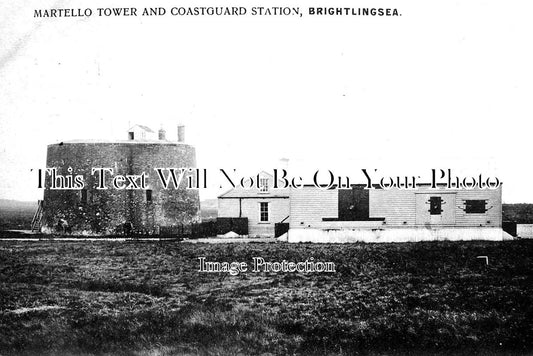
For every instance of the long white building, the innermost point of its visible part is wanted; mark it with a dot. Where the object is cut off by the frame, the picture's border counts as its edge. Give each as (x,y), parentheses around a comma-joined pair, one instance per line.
(395,215)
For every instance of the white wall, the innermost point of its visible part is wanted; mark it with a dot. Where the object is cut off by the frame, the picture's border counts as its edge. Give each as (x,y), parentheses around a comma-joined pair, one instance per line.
(278,210)
(310,204)
(524,231)
(397,234)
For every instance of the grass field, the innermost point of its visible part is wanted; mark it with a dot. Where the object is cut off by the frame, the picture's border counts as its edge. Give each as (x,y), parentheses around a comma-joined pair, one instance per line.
(84,298)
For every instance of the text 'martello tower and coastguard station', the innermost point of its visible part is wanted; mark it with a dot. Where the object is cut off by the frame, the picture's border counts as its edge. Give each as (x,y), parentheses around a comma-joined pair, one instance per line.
(95,211)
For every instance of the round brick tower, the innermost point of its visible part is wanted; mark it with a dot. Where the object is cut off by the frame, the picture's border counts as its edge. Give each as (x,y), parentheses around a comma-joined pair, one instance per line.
(135,209)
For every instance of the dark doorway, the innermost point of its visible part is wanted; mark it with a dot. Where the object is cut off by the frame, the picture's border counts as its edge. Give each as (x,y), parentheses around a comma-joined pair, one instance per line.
(353,204)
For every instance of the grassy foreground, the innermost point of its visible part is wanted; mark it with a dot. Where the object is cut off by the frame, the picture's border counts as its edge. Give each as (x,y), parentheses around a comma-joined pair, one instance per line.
(83,298)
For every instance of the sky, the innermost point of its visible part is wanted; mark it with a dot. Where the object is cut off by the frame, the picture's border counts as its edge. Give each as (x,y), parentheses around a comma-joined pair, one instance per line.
(446,85)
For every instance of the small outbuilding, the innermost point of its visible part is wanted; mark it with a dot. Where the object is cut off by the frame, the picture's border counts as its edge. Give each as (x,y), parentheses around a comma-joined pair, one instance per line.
(141,132)
(524,231)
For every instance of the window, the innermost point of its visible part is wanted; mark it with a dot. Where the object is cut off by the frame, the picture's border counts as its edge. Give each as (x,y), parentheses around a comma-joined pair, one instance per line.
(84,196)
(149,195)
(435,205)
(475,206)
(263,185)
(263,212)
(131,135)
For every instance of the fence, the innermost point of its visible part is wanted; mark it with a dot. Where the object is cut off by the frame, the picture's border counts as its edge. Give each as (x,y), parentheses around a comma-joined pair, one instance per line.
(237,225)
(280,229)
(204,229)
(195,230)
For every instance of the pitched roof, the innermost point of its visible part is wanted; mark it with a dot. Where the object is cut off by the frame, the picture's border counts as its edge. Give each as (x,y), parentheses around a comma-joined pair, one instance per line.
(240,192)
(145,128)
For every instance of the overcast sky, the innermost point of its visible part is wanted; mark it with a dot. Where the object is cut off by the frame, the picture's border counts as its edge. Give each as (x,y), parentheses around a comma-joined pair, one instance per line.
(449,84)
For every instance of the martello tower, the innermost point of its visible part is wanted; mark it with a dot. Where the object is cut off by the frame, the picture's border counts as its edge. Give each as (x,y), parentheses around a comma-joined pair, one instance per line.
(93,211)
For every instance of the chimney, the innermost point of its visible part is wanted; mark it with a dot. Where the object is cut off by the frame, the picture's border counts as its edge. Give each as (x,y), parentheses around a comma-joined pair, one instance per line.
(284,163)
(162,134)
(181,133)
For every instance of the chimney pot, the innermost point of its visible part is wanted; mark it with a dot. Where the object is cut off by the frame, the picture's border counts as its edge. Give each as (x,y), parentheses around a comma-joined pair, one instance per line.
(181,133)
(162,135)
